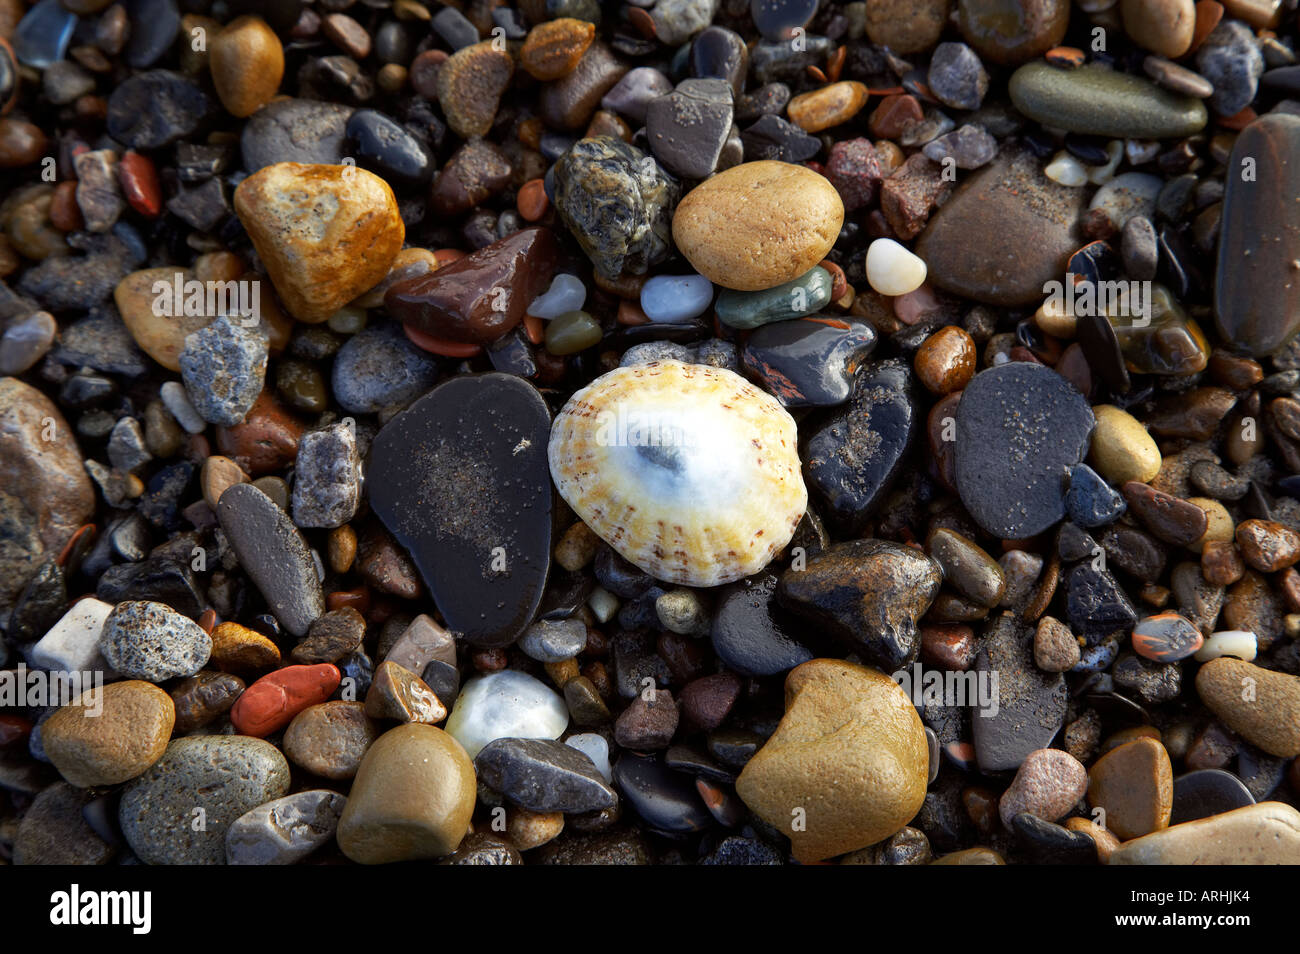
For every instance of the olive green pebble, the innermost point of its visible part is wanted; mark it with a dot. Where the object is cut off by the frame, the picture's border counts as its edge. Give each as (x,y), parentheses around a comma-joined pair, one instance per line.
(302,385)
(805,295)
(572,332)
(276,489)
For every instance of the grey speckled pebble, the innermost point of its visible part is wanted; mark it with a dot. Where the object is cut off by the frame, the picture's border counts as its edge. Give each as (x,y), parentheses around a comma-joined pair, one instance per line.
(379,368)
(26,341)
(286,830)
(295,130)
(327,485)
(274,554)
(223,367)
(151,641)
(1230,59)
(554,640)
(212,779)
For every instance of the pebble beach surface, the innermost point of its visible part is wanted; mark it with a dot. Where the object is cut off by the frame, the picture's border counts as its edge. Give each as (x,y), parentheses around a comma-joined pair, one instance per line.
(725,432)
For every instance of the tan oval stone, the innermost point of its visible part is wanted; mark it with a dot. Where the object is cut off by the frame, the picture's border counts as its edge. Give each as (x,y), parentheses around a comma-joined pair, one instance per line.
(148,315)
(325,233)
(1122,450)
(978,855)
(553,49)
(108,735)
(829,106)
(1134,785)
(1105,841)
(241,649)
(758,224)
(470,85)
(217,475)
(247,63)
(412,798)
(1218,523)
(850,752)
(330,739)
(529,830)
(1161,26)
(1263,834)
(1260,705)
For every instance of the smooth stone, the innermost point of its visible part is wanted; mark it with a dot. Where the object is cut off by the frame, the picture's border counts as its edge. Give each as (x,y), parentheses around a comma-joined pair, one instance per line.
(383,145)
(72,644)
(1269,718)
(325,233)
(379,368)
(568,103)
(853,459)
(41,37)
(1230,59)
(153,642)
(566,293)
(274,555)
(541,775)
(618,204)
(805,295)
(956,76)
(1237,643)
(482,543)
(719,53)
(1166,638)
(1004,233)
(1267,833)
(809,362)
(671,298)
(666,800)
(554,48)
(868,594)
(54,831)
(295,130)
(330,739)
(505,705)
(1048,784)
(1134,785)
(1095,602)
(470,85)
(771,137)
(412,798)
(1254,310)
(1102,102)
(224,776)
(26,341)
(284,831)
(688,127)
(967,568)
(1205,793)
(848,729)
(758,225)
(247,64)
(552,641)
(595,748)
(633,94)
(1026,426)
(775,19)
(1031,704)
(109,735)
(753,635)
(1012,31)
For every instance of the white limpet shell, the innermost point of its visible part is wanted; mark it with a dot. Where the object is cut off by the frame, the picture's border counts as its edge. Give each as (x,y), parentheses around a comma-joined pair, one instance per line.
(688,471)
(1229,642)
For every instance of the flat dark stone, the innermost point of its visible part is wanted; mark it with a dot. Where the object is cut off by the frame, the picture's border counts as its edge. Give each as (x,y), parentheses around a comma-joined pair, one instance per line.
(751,633)
(688,127)
(274,555)
(808,362)
(1256,295)
(1207,792)
(665,799)
(461,479)
(155,108)
(1031,703)
(160,579)
(1021,427)
(853,459)
(295,130)
(1050,844)
(543,776)
(384,145)
(1095,603)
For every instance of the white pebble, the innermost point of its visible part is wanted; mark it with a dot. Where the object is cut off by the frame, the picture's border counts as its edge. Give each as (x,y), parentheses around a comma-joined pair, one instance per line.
(892,269)
(1066,170)
(72,644)
(567,293)
(506,705)
(603,603)
(178,402)
(1230,642)
(594,747)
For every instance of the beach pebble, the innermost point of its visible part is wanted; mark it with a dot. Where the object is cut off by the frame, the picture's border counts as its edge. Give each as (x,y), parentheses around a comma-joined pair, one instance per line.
(1261,705)
(284,831)
(505,705)
(1048,784)
(327,485)
(223,367)
(272,702)
(72,644)
(110,734)
(153,642)
(541,775)
(1267,833)
(330,739)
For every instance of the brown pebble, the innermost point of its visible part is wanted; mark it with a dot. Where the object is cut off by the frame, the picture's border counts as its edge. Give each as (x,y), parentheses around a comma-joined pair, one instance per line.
(552,49)
(829,106)
(217,475)
(267,439)
(342,548)
(1134,785)
(1170,518)
(1221,564)
(894,114)
(470,85)
(347,34)
(1267,546)
(945,362)
(423,72)
(21,143)
(247,64)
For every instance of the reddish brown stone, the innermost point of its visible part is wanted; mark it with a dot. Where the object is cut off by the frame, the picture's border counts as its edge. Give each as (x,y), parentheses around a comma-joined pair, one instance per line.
(912,193)
(706,702)
(272,702)
(894,114)
(140,185)
(1221,564)
(948,646)
(266,442)
(1268,546)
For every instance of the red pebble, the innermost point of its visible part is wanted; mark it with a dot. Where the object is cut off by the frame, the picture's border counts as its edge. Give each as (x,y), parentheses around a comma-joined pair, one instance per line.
(272,702)
(139,181)
(435,345)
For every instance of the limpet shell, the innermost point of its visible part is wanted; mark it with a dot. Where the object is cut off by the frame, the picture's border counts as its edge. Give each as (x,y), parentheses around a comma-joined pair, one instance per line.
(688,471)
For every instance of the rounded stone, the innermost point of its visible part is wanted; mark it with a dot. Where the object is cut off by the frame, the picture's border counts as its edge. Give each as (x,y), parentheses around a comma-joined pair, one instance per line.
(247,64)
(850,752)
(1161,26)
(151,641)
(1048,784)
(330,739)
(110,734)
(217,778)
(1134,785)
(1013,31)
(1261,705)
(286,830)
(412,798)
(1263,834)
(506,704)
(1122,450)
(758,224)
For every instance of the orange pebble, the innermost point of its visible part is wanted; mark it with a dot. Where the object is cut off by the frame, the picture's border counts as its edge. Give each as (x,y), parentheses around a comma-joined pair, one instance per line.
(448,349)
(534,329)
(272,702)
(532,202)
(445,256)
(1208,15)
(1238,120)
(1066,57)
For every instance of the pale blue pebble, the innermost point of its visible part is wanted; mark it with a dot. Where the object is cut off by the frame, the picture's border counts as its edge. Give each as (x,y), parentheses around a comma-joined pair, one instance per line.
(669,298)
(567,293)
(42,36)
